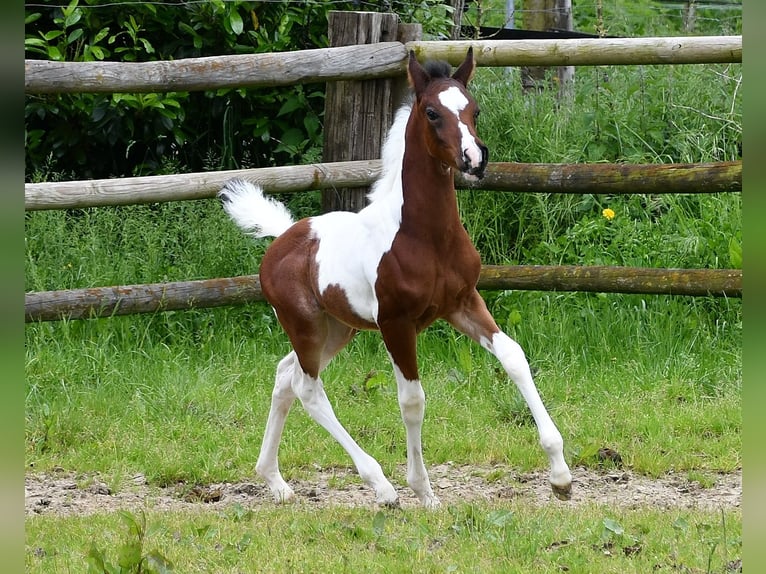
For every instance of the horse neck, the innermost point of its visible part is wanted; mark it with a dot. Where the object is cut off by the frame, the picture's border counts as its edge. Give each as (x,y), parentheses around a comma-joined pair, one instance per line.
(429,205)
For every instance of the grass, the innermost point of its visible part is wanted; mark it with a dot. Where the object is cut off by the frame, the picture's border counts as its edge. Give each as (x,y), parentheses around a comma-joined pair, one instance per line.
(183,397)
(461,538)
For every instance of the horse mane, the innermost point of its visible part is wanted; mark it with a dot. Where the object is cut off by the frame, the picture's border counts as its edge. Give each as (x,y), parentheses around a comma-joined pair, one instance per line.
(438,69)
(392,156)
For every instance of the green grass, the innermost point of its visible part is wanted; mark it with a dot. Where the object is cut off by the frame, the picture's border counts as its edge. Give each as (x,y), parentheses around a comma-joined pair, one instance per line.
(462,538)
(185,396)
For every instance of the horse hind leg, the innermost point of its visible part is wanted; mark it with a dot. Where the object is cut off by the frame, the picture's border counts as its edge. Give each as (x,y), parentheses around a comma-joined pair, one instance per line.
(474,320)
(316,343)
(282,399)
(311,393)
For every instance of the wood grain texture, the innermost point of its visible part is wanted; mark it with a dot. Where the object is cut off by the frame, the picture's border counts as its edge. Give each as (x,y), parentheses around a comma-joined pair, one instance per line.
(178,187)
(588,51)
(383,59)
(611,178)
(357,113)
(513,177)
(359,62)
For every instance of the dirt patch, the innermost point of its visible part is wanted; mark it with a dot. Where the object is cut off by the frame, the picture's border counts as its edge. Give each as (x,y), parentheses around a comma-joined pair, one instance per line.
(63,493)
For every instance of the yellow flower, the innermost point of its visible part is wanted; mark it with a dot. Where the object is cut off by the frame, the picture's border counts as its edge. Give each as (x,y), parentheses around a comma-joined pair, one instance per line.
(608,213)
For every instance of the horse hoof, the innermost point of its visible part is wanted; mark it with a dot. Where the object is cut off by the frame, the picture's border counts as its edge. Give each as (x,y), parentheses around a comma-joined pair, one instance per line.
(283,495)
(431,503)
(390,504)
(562,492)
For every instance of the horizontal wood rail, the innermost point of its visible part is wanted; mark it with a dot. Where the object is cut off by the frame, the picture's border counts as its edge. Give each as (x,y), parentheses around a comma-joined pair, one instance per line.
(587,51)
(514,177)
(150,298)
(359,62)
(368,61)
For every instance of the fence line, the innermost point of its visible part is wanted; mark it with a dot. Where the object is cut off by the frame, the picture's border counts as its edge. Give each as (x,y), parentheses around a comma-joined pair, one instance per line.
(596,178)
(368,61)
(184,295)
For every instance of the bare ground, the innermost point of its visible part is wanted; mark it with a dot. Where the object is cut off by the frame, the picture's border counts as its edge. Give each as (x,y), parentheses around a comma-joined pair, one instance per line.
(65,494)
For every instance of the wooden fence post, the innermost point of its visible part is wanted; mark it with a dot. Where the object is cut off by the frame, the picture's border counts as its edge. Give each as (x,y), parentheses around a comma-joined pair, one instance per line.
(401,85)
(357,113)
(547,15)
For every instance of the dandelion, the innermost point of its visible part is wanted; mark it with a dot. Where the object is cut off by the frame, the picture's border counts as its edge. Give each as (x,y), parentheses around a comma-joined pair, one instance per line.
(608,213)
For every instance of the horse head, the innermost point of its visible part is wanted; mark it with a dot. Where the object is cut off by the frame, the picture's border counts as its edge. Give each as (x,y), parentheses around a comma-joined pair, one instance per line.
(448,113)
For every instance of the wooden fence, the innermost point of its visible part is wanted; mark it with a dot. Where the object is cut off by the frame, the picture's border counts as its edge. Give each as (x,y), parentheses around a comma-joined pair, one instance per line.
(373,62)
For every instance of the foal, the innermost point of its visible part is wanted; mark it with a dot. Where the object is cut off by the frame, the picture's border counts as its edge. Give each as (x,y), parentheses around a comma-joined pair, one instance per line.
(399,264)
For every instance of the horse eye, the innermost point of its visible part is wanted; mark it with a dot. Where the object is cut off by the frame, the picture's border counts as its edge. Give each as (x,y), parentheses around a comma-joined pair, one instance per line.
(476,114)
(431,114)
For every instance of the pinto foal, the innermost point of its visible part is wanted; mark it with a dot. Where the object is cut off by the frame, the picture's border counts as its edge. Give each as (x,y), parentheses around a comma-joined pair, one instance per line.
(399,264)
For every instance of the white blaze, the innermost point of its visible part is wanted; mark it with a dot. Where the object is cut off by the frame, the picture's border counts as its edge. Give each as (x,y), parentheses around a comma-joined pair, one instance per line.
(455,101)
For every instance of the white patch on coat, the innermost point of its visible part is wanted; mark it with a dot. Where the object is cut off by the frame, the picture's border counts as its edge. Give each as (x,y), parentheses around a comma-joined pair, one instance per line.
(351,245)
(453,99)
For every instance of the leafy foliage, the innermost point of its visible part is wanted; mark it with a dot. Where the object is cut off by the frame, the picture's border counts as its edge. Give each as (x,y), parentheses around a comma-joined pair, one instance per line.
(117,135)
(132,558)
(103,135)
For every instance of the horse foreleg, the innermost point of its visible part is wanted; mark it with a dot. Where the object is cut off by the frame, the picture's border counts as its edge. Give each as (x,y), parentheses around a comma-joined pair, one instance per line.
(401,347)
(512,357)
(474,320)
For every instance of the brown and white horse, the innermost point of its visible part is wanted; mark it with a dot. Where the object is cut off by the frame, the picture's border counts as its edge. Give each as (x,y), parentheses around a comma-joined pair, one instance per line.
(399,264)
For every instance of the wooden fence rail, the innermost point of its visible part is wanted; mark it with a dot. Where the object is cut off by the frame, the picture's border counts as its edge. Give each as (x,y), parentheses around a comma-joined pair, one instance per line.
(597,178)
(150,298)
(383,59)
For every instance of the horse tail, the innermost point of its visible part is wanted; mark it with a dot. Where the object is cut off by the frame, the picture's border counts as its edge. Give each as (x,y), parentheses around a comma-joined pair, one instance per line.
(252,211)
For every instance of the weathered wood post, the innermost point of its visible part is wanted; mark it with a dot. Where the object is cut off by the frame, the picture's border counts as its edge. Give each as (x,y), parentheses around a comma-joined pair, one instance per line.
(401,86)
(357,113)
(547,15)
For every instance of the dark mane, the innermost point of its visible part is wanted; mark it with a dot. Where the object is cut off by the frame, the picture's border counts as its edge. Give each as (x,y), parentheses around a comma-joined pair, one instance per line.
(438,69)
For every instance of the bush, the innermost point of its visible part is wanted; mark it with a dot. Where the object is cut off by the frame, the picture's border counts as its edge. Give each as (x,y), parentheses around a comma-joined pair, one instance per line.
(107,135)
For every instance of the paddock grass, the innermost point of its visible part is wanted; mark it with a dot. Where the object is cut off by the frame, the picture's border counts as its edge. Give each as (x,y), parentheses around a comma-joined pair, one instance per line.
(185,396)
(462,538)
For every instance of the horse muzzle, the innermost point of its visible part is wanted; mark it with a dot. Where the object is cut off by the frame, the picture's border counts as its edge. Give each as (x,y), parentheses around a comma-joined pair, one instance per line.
(474,162)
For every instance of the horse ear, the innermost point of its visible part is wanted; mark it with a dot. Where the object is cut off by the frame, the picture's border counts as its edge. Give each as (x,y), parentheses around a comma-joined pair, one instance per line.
(416,74)
(465,72)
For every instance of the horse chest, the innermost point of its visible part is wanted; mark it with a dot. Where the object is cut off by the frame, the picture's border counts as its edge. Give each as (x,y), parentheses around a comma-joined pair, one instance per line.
(425,281)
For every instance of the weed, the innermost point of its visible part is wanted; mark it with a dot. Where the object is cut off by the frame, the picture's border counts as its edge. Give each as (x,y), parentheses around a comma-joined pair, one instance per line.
(132,556)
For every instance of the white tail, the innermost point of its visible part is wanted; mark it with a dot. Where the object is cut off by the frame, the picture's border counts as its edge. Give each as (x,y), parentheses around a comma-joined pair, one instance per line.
(252,211)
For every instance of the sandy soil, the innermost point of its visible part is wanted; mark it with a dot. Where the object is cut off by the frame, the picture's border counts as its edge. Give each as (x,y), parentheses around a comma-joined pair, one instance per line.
(62,493)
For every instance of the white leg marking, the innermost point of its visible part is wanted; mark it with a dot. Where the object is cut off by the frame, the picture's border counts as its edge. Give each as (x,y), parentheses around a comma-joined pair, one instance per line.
(281,400)
(412,401)
(311,393)
(515,363)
